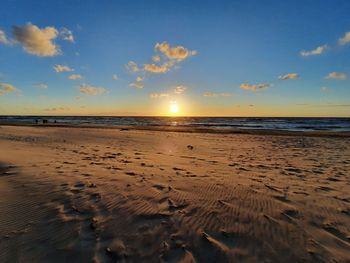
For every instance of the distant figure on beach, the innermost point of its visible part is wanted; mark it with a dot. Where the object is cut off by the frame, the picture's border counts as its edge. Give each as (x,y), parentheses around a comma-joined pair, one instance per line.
(36,121)
(45,121)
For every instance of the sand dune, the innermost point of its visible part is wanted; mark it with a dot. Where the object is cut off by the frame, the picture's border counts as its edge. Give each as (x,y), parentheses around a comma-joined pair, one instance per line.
(105,195)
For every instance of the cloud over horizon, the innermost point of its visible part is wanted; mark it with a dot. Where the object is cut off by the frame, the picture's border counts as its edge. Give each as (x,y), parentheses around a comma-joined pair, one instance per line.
(91,90)
(215,94)
(317,51)
(254,87)
(289,76)
(36,41)
(62,68)
(4,40)
(136,85)
(55,109)
(156,69)
(75,76)
(178,53)
(41,85)
(345,39)
(159,95)
(164,61)
(6,88)
(336,75)
(132,66)
(180,89)
(67,34)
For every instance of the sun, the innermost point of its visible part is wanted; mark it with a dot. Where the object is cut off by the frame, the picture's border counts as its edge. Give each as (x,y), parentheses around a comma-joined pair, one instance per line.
(174,107)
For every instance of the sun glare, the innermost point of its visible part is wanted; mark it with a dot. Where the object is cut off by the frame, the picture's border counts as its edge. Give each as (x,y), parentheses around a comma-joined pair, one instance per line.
(174,107)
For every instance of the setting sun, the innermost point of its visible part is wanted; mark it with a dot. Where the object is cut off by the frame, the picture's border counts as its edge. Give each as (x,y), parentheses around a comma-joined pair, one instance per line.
(174,107)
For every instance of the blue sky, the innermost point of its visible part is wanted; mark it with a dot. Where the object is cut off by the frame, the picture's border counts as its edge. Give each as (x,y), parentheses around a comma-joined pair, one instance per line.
(232,58)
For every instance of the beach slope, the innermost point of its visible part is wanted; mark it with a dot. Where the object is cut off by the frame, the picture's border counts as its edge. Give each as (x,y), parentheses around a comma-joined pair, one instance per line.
(106,195)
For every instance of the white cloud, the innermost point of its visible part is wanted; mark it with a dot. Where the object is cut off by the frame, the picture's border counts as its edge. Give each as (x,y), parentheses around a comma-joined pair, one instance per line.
(132,66)
(325,89)
(91,90)
(41,85)
(4,39)
(75,76)
(214,94)
(345,39)
(55,109)
(317,51)
(136,85)
(289,76)
(139,79)
(37,41)
(180,89)
(114,76)
(156,58)
(7,88)
(67,34)
(62,68)
(158,95)
(166,59)
(157,69)
(178,53)
(255,86)
(336,75)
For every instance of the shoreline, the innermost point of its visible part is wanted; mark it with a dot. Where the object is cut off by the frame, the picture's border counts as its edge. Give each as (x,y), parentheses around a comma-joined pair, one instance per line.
(275,132)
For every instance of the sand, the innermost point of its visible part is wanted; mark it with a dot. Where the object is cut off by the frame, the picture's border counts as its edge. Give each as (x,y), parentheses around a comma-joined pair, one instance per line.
(106,195)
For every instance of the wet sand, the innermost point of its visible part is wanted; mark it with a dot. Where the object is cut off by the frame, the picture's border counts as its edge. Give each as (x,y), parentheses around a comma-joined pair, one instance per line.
(103,195)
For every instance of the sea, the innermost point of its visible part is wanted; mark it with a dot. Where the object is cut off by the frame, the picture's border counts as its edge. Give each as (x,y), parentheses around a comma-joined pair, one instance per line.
(289,124)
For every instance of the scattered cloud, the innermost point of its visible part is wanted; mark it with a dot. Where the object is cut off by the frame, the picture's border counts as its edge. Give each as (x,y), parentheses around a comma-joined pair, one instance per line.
(53,109)
(178,53)
(325,89)
(324,105)
(77,98)
(156,58)
(215,94)
(132,66)
(166,58)
(157,69)
(336,75)
(4,39)
(114,76)
(289,76)
(158,95)
(75,76)
(255,86)
(36,41)
(62,68)
(345,39)
(136,85)
(139,79)
(7,88)
(41,85)
(180,89)
(317,51)
(91,90)
(67,34)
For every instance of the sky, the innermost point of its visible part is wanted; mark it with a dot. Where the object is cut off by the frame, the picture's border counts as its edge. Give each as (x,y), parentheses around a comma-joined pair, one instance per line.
(160,58)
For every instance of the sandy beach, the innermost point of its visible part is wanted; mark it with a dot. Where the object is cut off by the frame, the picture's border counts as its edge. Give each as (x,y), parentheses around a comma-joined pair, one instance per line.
(128,195)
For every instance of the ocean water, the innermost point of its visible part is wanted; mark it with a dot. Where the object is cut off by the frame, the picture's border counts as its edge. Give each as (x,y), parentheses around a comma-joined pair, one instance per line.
(292,124)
